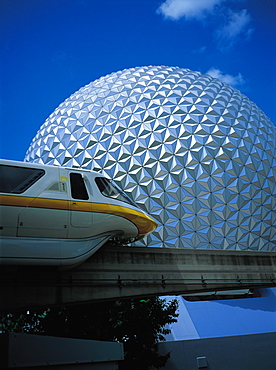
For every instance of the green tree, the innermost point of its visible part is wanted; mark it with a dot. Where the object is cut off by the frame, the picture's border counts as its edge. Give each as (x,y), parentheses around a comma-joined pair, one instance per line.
(27,322)
(138,323)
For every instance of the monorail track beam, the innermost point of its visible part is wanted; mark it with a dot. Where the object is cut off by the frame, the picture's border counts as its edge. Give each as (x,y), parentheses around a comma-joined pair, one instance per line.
(122,272)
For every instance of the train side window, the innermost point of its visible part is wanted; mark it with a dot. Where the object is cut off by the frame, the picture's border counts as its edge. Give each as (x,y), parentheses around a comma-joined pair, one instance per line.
(16,180)
(78,188)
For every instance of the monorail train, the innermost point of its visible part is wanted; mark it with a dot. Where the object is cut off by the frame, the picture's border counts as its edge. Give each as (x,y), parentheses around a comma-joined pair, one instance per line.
(58,216)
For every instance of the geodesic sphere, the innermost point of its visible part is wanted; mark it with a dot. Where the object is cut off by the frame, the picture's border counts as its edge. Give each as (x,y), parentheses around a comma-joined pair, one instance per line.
(194,152)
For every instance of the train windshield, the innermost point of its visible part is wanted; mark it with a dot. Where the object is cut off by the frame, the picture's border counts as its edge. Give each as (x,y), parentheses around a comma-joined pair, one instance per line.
(108,189)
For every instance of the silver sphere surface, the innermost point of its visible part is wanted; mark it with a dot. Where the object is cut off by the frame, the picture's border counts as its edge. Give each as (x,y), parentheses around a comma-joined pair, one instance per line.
(194,152)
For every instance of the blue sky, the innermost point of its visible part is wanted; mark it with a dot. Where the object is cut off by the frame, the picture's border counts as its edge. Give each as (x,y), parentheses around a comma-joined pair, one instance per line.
(51,48)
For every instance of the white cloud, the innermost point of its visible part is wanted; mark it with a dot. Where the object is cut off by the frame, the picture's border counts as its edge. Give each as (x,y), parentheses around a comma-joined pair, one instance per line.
(229,79)
(237,24)
(197,9)
(230,26)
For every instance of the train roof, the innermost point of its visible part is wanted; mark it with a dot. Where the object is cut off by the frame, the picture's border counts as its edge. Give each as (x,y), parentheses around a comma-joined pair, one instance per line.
(10,162)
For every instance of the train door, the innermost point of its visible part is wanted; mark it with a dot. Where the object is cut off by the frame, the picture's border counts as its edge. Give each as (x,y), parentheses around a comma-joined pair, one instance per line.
(80,202)
(46,214)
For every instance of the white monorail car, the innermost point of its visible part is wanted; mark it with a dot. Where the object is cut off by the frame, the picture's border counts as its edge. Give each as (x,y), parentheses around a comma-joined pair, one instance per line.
(59,216)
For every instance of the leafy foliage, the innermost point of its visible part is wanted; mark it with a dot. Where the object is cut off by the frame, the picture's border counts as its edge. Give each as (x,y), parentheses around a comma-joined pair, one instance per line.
(22,322)
(138,323)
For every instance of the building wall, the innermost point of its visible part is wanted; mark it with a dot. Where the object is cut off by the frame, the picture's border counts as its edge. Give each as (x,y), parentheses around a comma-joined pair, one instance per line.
(26,351)
(243,352)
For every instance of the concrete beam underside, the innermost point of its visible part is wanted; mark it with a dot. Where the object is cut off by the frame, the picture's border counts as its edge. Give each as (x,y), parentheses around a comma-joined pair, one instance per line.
(123,272)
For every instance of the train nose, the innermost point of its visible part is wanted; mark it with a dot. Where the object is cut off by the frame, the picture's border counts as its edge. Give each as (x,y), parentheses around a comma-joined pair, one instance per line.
(144,223)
